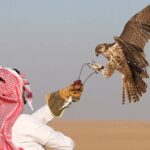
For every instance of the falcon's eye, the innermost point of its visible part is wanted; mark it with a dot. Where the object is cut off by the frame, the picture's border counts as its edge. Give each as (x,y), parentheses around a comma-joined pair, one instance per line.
(99,49)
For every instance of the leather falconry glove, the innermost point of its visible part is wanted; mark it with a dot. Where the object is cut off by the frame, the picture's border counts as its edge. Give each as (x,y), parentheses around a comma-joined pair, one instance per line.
(74,91)
(61,99)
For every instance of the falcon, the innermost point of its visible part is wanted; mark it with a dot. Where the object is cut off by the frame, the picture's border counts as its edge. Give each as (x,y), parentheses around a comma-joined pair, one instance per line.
(126,55)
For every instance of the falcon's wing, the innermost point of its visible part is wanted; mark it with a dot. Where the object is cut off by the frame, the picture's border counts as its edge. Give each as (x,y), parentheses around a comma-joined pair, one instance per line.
(134,37)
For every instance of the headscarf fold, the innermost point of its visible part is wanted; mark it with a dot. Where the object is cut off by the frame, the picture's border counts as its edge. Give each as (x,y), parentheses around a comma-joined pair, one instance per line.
(12,88)
(27,94)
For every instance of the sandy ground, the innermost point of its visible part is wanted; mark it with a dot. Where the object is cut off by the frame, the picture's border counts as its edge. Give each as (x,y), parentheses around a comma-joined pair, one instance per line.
(106,135)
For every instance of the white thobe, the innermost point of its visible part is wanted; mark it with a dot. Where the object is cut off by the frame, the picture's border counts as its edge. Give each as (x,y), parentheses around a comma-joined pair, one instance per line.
(31,132)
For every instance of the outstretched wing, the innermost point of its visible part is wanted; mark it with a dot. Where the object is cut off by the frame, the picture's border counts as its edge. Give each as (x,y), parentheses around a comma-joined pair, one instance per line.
(137,29)
(134,37)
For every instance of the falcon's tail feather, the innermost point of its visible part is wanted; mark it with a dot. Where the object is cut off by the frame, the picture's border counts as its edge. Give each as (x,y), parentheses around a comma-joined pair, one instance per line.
(133,88)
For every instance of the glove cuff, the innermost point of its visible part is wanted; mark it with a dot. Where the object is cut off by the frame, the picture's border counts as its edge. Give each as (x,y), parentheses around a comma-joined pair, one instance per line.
(55,104)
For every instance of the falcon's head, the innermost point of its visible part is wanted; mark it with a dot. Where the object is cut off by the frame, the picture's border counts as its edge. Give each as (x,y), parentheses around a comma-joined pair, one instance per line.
(101,49)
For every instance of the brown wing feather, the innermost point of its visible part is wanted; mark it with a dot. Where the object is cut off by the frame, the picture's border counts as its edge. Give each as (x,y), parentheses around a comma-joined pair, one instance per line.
(134,37)
(137,29)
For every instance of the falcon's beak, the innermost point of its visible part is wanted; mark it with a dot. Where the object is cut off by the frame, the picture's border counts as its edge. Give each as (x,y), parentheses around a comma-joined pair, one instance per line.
(96,53)
(97,50)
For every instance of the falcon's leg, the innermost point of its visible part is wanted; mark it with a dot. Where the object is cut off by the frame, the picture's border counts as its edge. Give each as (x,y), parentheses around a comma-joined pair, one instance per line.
(108,70)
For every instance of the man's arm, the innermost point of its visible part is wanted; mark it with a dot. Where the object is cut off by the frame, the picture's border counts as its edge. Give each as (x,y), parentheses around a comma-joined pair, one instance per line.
(43,114)
(29,132)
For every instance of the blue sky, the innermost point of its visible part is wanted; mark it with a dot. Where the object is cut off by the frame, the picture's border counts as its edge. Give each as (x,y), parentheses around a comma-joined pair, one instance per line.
(50,40)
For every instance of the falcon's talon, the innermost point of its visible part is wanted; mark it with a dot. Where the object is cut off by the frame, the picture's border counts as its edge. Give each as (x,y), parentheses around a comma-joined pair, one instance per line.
(95,66)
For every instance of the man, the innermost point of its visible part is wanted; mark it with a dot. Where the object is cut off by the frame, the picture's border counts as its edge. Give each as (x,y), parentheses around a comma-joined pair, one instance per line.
(31,132)
(13,91)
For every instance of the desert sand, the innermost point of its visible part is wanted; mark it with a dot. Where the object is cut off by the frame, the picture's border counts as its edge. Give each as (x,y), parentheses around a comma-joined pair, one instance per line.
(106,135)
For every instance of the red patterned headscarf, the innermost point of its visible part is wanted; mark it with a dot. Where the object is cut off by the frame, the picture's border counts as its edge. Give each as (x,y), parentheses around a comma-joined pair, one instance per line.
(13,88)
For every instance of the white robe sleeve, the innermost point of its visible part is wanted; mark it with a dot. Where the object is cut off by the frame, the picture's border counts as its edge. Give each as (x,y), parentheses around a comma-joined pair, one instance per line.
(30,133)
(43,114)
(53,139)
(48,136)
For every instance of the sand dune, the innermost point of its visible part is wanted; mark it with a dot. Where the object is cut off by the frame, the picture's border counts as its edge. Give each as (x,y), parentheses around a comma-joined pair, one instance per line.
(106,135)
